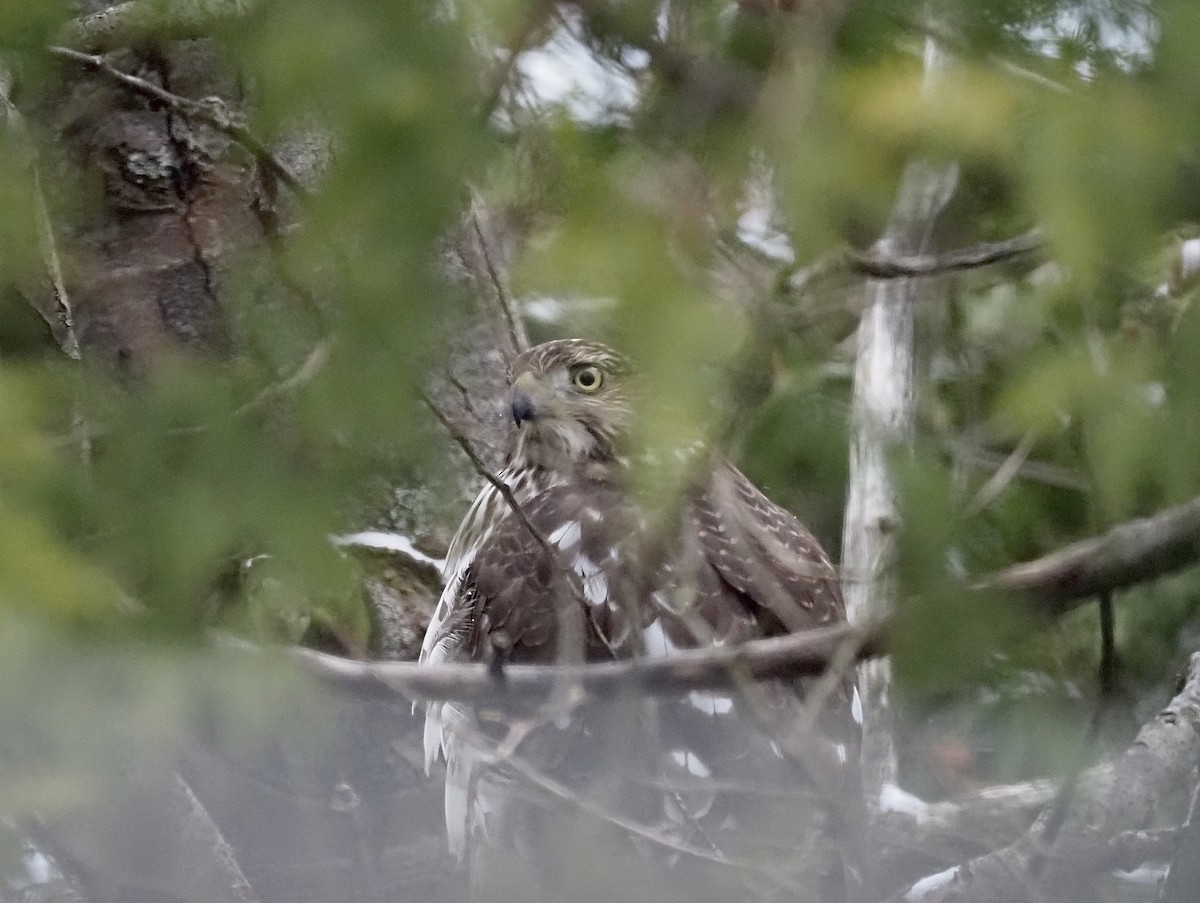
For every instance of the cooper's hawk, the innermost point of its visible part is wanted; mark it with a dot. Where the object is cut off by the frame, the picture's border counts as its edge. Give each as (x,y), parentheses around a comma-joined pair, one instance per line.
(748,784)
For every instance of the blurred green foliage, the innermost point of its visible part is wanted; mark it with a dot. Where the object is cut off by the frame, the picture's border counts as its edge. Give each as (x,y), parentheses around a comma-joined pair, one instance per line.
(124,501)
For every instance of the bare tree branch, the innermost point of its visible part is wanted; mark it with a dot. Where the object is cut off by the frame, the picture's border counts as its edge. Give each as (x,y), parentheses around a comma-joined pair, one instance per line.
(534,18)
(899,266)
(882,413)
(1183,878)
(1129,553)
(910,832)
(485,262)
(212,111)
(1161,760)
(978,456)
(1133,848)
(795,655)
(881,263)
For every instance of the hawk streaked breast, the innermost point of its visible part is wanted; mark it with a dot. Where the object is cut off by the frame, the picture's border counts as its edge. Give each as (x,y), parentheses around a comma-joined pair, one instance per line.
(705,779)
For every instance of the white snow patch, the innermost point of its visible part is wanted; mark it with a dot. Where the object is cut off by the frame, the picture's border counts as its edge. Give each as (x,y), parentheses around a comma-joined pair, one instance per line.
(929,884)
(388,542)
(856,709)
(39,867)
(710,703)
(1148,875)
(894,799)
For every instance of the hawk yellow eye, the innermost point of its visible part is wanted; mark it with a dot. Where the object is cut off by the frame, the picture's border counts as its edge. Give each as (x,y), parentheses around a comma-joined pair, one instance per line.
(587,378)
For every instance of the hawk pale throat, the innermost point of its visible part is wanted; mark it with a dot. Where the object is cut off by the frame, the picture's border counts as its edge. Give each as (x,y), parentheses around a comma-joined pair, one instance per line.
(707,784)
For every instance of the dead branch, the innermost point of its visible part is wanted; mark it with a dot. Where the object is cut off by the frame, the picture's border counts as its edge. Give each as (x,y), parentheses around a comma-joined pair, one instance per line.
(184,855)
(1160,761)
(795,655)
(484,261)
(911,833)
(899,266)
(882,263)
(534,19)
(1183,877)
(882,412)
(1133,848)
(212,111)
(1128,553)
(143,21)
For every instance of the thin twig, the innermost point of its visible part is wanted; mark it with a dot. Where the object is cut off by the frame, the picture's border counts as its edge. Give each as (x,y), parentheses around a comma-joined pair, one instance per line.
(564,793)
(1003,476)
(1060,809)
(1108,648)
(484,471)
(500,78)
(312,364)
(479,222)
(979,457)
(877,265)
(211,110)
(64,313)
(889,266)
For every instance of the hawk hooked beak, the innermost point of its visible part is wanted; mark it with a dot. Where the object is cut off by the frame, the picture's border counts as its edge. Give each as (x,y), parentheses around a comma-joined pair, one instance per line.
(528,399)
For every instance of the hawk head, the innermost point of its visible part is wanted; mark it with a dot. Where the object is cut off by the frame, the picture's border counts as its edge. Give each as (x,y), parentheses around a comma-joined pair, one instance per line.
(570,403)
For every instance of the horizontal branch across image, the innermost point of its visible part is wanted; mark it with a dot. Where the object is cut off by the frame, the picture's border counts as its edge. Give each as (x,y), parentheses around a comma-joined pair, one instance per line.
(1128,553)
(803,654)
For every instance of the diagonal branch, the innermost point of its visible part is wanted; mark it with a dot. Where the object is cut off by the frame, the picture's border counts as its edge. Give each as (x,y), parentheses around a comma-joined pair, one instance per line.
(212,111)
(1183,878)
(1129,553)
(485,262)
(1159,762)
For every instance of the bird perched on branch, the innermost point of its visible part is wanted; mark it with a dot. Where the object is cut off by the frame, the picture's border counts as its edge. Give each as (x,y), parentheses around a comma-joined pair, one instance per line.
(744,789)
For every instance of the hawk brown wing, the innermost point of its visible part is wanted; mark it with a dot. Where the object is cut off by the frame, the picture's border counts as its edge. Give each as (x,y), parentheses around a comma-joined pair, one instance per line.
(741,568)
(765,554)
(519,588)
